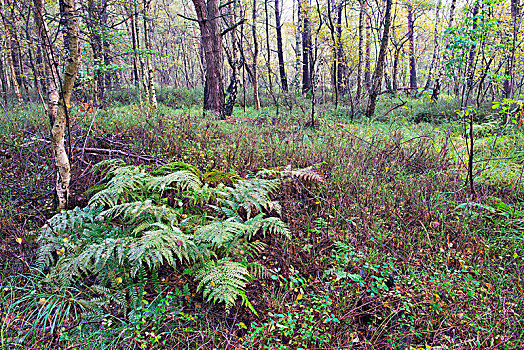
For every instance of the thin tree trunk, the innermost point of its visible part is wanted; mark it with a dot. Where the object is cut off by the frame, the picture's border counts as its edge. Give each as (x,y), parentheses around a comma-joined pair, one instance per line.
(509,81)
(235,63)
(367,69)
(9,53)
(436,89)
(298,40)
(436,47)
(59,101)
(280,51)
(360,49)
(151,92)
(306,53)
(268,60)
(379,69)
(256,97)
(411,38)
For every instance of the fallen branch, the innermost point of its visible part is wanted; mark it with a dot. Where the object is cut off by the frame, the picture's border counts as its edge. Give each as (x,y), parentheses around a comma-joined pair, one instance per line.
(393,108)
(111,152)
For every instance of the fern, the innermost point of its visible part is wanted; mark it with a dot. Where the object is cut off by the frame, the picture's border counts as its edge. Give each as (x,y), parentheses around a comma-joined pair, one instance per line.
(130,227)
(161,243)
(181,179)
(223,281)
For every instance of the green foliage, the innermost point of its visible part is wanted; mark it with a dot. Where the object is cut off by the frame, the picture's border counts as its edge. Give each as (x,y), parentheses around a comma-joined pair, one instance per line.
(131,229)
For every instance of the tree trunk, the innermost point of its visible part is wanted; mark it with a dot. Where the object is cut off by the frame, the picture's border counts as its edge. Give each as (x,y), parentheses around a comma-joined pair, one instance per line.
(298,40)
(11,56)
(360,48)
(340,51)
(436,89)
(60,91)
(95,12)
(411,38)
(268,60)
(136,77)
(367,69)
(151,92)
(207,14)
(280,52)
(436,47)
(234,62)
(379,69)
(306,53)
(508,82)
(256,98)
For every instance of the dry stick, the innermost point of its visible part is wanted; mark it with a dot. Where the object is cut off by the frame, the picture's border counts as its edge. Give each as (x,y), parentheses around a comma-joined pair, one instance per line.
(122,153)
(88,131)
(393,108)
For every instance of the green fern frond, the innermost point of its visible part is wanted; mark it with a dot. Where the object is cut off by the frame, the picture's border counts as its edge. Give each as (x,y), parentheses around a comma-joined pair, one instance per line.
(109,164)
(177,166)
(160,243)
(222,281)
(220,233)
(181,179)
(136,211)
(125,184)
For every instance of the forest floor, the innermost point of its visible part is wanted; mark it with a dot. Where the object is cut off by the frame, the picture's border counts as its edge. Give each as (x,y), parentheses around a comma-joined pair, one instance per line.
(391,250)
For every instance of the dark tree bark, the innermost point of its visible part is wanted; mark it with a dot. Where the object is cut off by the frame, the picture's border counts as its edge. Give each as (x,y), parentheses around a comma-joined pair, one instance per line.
(280,52)
(379,69)
(306,54)
(207,14)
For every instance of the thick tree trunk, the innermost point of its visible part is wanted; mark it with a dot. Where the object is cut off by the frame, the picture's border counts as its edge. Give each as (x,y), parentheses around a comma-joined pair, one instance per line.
(412,60)
(207,14)
(379,69)
(280,51)
(60,91)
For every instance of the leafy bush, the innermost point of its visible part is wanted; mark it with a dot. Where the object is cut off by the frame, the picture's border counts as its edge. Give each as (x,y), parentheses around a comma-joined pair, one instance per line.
(138,221)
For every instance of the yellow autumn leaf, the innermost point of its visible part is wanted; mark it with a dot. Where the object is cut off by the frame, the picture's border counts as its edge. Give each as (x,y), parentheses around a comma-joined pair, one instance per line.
(515,255)
(60,251)
(66,239)
(212,283)
(299,297)
(118,280)
(18,240)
